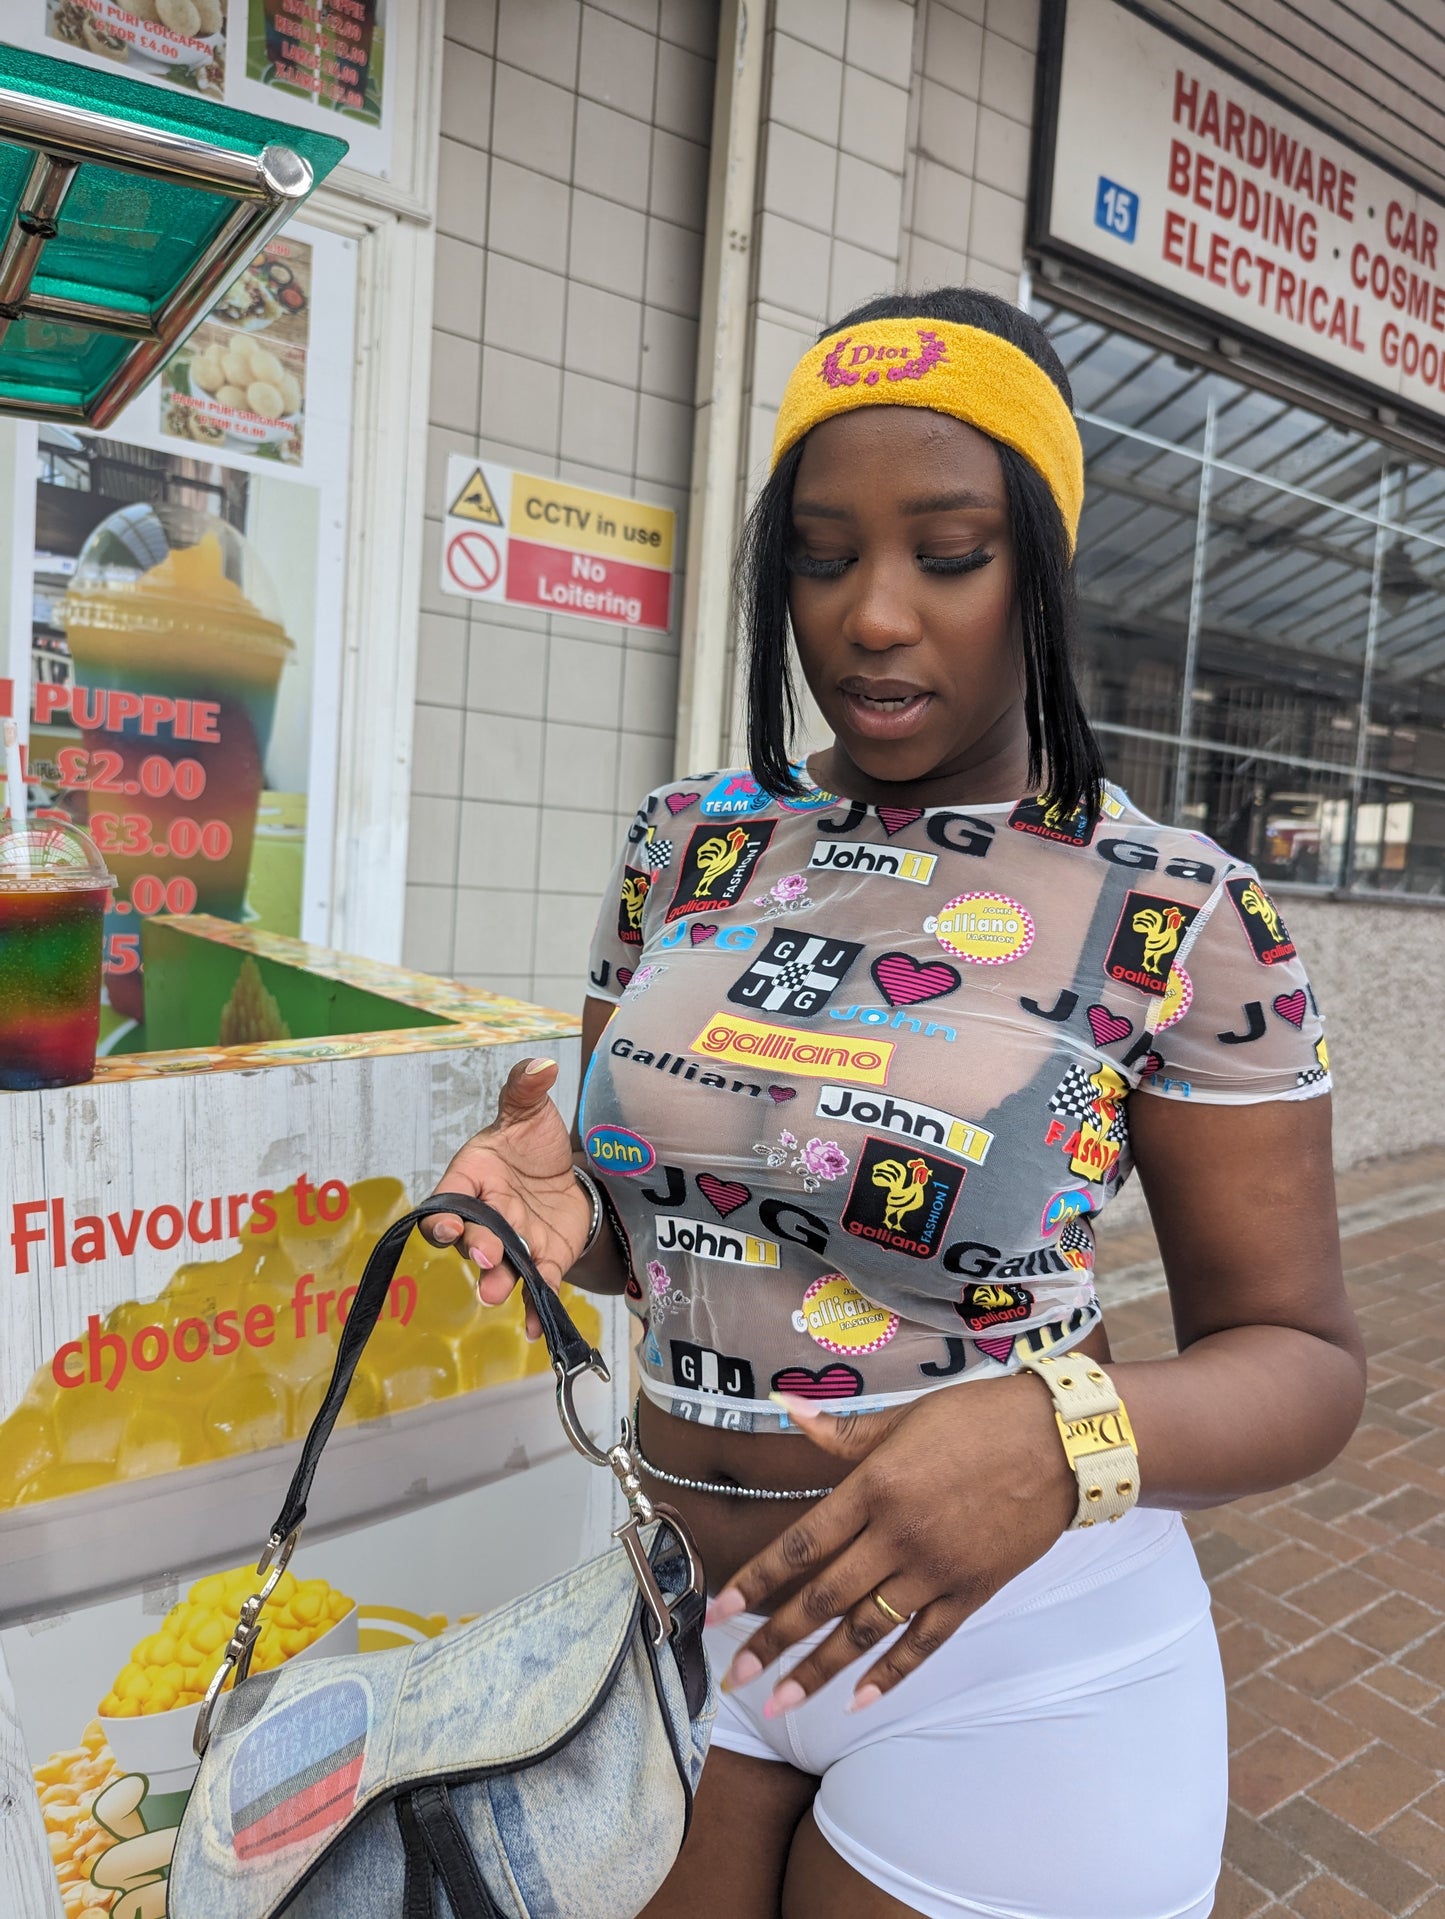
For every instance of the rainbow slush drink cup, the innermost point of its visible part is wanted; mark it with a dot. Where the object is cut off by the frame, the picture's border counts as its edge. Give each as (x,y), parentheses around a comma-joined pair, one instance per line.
(53,886)
(178,652)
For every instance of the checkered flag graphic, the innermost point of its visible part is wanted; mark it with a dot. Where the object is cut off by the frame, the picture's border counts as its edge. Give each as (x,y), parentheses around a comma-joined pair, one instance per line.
(658,854)
(1075,1097)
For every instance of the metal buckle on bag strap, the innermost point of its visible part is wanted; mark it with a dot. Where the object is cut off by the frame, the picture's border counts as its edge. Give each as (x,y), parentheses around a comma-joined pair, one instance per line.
(275,1557)
(642,1511)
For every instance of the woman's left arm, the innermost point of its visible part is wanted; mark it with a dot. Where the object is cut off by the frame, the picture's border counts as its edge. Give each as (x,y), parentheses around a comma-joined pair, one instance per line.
(958,1492)
(1270,1379)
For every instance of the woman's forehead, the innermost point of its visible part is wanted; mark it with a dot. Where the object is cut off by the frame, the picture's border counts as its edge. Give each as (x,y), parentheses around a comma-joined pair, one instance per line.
(885,452)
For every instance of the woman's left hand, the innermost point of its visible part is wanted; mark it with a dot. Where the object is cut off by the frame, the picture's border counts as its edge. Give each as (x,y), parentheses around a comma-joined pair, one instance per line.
(948,1499)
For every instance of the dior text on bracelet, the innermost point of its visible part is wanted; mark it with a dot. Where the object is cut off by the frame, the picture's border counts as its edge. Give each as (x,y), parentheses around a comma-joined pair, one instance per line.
(1097,1436)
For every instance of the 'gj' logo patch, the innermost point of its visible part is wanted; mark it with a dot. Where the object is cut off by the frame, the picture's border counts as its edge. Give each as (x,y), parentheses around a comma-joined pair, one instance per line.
(1260,918)
(635,887)
(795,973)
(901,1198)
(705,1371)
(295,1774)
(1048,821)
(716,866)
(1148,935)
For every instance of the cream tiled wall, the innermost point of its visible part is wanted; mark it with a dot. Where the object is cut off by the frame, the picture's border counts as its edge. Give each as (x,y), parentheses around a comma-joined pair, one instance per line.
(571,203)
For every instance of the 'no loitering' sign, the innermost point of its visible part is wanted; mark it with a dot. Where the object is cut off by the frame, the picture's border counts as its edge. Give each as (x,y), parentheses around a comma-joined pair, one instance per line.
(525,541)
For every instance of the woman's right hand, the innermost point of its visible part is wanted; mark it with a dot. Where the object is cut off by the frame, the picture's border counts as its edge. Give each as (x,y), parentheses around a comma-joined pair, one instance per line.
(522,1166)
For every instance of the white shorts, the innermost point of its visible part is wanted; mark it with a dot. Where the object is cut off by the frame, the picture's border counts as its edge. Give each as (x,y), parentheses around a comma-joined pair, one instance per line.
(1063,1756)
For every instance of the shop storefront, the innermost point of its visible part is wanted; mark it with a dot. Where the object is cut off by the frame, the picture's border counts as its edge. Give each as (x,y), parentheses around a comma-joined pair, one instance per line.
(471,440)
(1261,556)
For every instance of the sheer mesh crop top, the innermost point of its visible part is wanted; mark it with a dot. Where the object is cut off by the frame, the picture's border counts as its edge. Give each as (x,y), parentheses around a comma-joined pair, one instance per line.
(868,1077)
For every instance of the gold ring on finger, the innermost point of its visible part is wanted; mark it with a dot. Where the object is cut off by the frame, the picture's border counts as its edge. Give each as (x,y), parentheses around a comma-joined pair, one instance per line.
(890,1613)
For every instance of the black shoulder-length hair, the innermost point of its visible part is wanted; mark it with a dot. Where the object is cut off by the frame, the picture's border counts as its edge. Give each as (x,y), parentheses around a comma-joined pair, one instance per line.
(1063,752)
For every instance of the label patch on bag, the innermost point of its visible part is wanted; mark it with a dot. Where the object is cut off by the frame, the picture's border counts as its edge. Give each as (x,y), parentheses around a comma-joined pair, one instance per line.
(296,1771)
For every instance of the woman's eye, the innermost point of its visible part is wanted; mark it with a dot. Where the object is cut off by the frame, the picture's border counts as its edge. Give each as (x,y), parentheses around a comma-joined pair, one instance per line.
(954,562)
(812,567)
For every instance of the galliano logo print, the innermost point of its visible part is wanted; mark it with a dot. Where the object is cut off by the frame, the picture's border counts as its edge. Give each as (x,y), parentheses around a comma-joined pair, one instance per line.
(841,1320)
(906,1119)
(984,1306)
(986,929)
(1048,821)
(851,362)
(795,973)
(901,1200)
(1145,941)
(1260,919)
(886,862)
(696,1072)
(715,867)
(706,1241)
(748,1042)
(633,898)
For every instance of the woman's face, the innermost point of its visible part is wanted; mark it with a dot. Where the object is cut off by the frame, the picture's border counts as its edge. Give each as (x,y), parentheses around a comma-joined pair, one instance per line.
(903,605)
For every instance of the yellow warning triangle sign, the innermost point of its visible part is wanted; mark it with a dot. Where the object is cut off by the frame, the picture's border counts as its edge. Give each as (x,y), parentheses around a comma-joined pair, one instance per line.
(475,501)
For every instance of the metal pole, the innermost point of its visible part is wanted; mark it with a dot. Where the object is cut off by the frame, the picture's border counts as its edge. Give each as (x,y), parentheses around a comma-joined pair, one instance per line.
(1196,606)
(1367,674)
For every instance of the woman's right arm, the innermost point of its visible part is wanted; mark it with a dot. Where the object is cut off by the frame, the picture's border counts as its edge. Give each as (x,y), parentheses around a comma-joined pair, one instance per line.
(521,1164)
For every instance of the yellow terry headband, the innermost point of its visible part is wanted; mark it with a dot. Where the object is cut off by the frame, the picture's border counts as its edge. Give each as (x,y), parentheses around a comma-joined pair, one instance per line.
(961,370)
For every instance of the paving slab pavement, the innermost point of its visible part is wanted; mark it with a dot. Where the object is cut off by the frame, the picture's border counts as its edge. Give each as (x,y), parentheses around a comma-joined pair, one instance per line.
(1330,1597)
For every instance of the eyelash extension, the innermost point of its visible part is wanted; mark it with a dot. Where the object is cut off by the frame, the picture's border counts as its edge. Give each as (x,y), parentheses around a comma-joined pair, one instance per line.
(810,569)
(960,563)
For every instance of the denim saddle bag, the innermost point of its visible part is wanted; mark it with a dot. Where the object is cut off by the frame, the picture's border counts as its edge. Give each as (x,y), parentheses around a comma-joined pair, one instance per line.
(539,1761)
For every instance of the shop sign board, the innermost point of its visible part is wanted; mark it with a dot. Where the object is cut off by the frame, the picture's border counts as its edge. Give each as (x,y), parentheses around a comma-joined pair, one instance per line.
(1220,194)
(553,548)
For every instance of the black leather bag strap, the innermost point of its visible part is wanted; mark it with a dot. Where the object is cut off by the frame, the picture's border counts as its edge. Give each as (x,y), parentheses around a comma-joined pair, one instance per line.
(570,1352)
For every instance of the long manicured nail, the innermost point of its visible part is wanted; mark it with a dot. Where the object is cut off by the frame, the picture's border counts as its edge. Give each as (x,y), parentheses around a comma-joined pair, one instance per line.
(480,1257)
(537,1066)
(728,1604)
(787,1697)
(743,1671)
(794,1408)
(865,1696)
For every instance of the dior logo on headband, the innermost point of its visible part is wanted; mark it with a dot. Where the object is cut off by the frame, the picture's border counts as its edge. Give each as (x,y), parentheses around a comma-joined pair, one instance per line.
(843,366)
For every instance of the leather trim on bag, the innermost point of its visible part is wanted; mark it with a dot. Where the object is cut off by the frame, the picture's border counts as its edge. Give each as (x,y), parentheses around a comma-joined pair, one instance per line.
(417,1899)
(684,1774)
(452,1854)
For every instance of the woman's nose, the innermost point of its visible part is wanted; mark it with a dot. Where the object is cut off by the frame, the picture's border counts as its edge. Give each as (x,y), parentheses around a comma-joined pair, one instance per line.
(882,614)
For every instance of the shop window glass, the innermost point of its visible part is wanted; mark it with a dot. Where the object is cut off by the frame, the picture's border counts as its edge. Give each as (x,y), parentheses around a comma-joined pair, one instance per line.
(1262,618)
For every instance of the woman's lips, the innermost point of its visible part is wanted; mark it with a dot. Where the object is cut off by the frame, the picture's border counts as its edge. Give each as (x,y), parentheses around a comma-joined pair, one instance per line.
(891,717)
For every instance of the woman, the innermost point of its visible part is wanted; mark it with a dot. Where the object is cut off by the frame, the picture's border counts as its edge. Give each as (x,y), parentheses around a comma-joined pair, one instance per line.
(882,1033)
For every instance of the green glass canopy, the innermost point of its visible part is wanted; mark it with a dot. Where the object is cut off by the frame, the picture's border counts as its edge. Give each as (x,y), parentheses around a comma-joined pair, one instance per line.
(125,212)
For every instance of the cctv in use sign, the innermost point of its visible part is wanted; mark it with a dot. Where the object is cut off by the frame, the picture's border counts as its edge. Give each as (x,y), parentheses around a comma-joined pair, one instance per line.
(525,541)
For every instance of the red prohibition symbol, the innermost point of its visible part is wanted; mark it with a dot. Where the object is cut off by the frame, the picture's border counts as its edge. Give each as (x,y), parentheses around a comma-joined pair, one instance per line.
(473,562)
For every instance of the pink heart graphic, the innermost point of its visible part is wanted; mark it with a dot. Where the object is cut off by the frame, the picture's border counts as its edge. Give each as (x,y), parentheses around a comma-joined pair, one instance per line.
(723,1195)
(1150,1064)
(1292,1006)
(829,1382)
(995,1346)
(904,982)
(1108,1027)
(780,1095)
(680,802)
(895,818)
(701,931)
(624,975)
